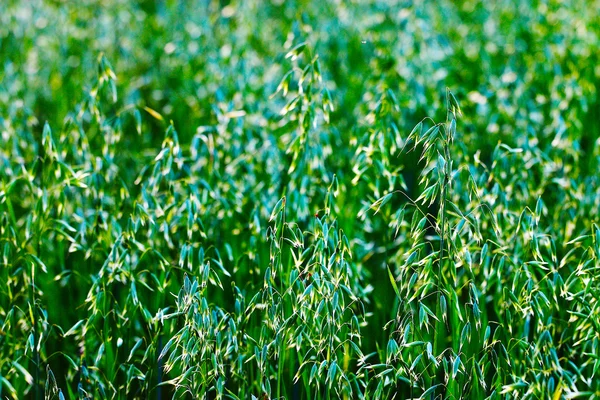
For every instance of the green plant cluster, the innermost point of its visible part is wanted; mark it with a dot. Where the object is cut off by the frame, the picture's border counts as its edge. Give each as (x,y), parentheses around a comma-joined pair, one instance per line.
(299,200)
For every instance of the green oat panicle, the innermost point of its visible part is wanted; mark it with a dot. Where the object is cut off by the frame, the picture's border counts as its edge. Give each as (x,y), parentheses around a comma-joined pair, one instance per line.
(274,200)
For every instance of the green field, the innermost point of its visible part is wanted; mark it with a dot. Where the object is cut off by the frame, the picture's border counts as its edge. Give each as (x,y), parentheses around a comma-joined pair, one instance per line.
(299,199)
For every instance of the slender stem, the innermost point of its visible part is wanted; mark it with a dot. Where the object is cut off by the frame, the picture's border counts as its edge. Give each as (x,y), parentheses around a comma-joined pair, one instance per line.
(36,353)
(159,369)
(437,333)
(41,160)
(443,204)
(280,363)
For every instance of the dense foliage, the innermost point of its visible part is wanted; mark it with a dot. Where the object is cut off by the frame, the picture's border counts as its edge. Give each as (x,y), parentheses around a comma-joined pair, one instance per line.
(299,200)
